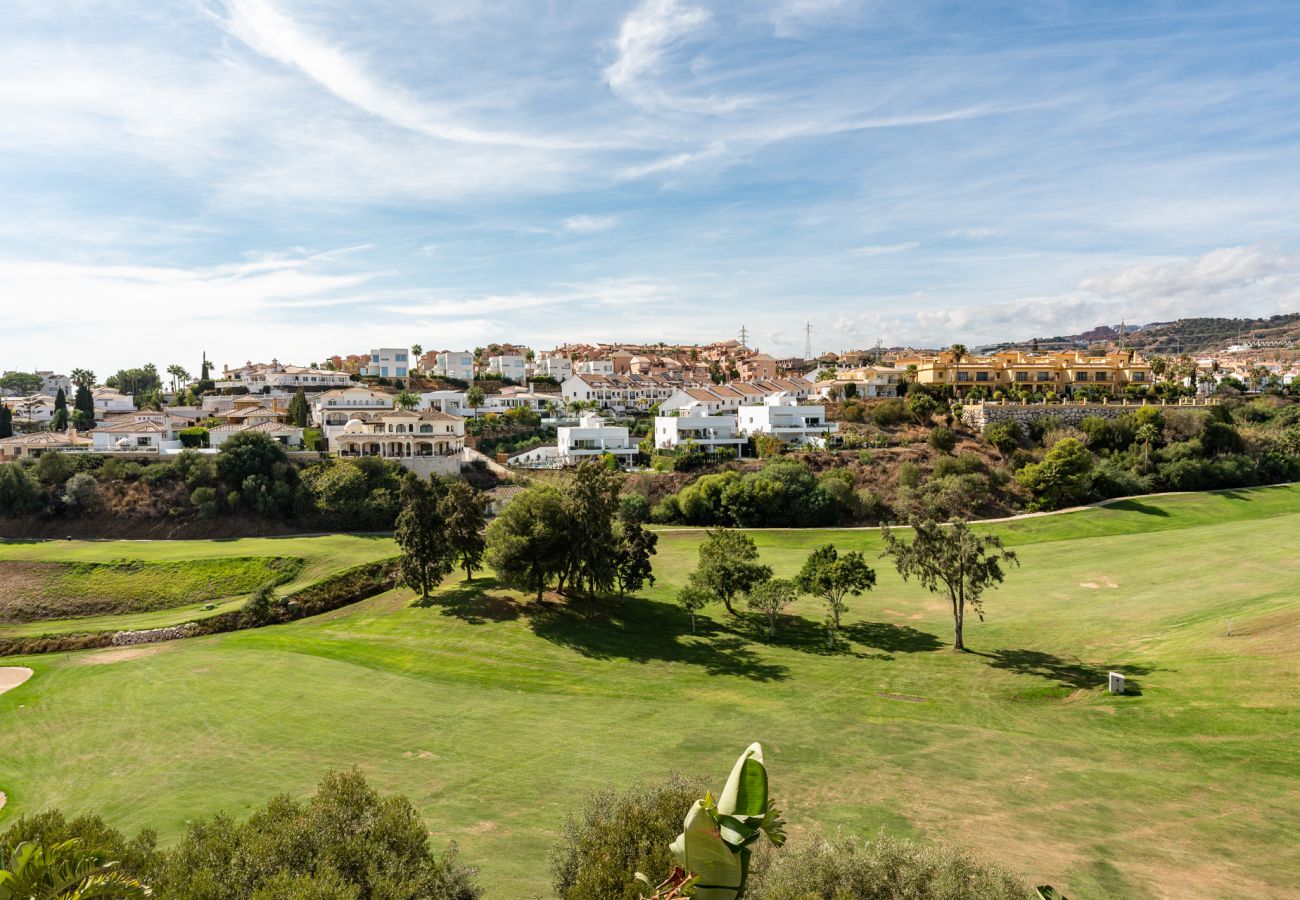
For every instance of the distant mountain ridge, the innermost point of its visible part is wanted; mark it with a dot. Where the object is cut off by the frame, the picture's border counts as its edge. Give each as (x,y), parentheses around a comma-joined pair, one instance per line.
(1196,335)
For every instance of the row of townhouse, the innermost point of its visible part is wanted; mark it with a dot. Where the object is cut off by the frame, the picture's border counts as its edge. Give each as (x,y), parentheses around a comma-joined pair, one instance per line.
(624,393)
(713,399)
(281,377)
(1016,370)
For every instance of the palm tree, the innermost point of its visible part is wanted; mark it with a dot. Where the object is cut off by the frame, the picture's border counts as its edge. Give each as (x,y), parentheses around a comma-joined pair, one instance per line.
(1159,366)
(65,871)
(83,378)
(959,353)
(406,400)
(179,377)
(1147,435)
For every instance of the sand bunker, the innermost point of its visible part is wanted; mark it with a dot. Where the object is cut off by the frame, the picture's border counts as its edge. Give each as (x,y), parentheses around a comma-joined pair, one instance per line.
(12,676)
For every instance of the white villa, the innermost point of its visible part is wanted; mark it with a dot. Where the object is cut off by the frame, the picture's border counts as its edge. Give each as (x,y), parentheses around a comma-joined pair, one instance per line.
(554,365)
(111,400)
(289,435)
(332,410)
(457,364)
(388,362)
(450,402)
(592,437)
(146,430)
(513,366)
(708,433)
(402,433)
(784,417)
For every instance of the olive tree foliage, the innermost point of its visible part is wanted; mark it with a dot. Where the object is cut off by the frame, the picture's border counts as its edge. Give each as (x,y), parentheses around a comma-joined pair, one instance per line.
(421,534)
(615,834)
(728,566)
(347,842)
(770,598)
(884,868)
(833,576)
(951,559)
(81,493)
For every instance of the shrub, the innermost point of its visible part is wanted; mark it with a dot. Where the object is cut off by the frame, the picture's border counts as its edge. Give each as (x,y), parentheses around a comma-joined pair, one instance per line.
(196,436)
(1006,435)
(921,405)
(20,495)
(204,500)
(53,468)
(1054,436)
(633,508)
(136,856)
(1061,478)
(884,869)
(615,835)
(963,464)
(346,836)
(942,439)
(81,493)
(891,412)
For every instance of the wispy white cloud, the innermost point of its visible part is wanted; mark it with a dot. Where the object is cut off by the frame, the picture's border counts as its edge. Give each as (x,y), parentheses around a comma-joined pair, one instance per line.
(264,28)
(673,163)
(885,249)
(585,224)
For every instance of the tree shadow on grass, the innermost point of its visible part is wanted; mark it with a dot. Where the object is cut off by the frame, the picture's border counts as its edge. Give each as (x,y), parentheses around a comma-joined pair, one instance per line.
(1138,506)
(470,601)
(1067,673)
(891,638)
(640,630)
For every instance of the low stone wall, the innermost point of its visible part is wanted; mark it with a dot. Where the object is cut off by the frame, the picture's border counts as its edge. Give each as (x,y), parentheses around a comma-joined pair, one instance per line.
(977,415)
(149,636)
(424,466)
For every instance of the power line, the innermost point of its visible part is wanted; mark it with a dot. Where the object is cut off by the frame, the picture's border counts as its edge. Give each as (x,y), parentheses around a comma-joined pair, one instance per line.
(807,340)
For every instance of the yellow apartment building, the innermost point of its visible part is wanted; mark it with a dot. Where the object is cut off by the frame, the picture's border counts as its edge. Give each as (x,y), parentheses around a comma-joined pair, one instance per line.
(1015,371)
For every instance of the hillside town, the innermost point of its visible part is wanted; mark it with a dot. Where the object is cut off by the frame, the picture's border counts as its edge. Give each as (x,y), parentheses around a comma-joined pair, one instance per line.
(428,410)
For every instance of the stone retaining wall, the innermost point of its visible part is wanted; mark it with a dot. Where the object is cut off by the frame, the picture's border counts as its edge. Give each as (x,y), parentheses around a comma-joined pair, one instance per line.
(977,415)
(149,636)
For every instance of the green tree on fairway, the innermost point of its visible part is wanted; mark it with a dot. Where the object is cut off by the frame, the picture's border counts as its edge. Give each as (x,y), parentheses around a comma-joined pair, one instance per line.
(770,598)
(728,566)
(299,411)
(464,512)
(591,503)
(632,568)
(832,577)
(694,598)
(952,559)
(527,544)
(421,534)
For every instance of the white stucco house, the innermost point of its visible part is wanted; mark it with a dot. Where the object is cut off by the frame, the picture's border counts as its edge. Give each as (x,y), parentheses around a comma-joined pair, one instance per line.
(512,366)
(708,433)
(388,362)
(592,437)
(457,364)
(402,433)
(145,430)
(289,435)
(450,402)
(109,401)
(786,418)
(332,410)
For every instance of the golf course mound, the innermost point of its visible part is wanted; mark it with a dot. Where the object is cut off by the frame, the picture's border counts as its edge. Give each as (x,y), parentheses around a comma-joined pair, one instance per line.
(37,590)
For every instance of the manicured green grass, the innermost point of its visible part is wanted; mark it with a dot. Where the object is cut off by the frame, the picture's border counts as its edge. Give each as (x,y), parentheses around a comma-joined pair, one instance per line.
(166,582)
(495,715)
(32,591)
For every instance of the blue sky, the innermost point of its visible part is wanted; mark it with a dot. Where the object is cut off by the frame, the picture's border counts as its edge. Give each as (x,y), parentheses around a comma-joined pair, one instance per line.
(290,178)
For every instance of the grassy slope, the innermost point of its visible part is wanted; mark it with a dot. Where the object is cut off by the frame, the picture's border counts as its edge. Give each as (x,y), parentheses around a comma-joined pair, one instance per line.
(322,555)
(495,717)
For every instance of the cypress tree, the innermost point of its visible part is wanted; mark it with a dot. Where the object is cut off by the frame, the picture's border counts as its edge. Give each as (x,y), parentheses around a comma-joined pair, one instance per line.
(6,421)
(298,409)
